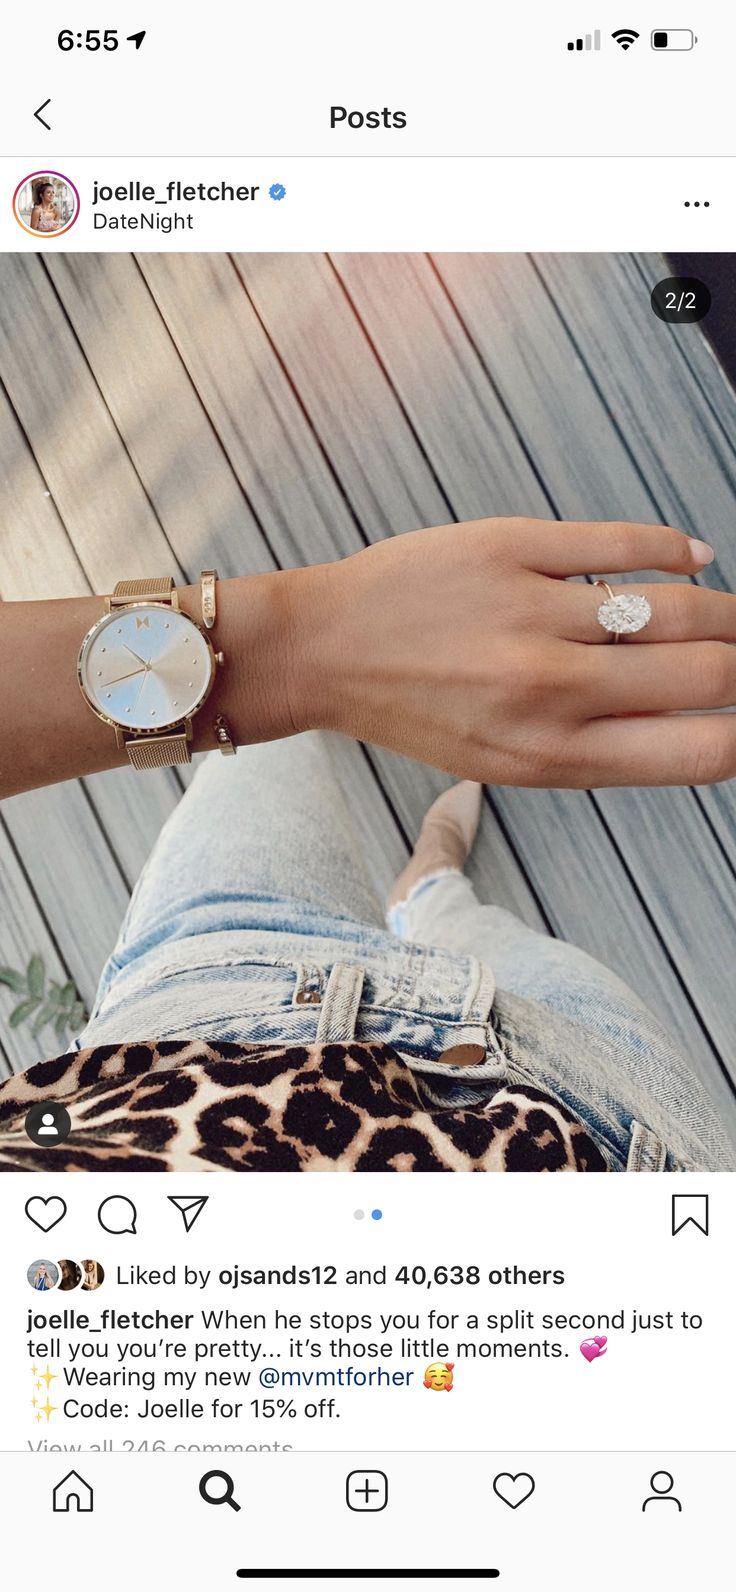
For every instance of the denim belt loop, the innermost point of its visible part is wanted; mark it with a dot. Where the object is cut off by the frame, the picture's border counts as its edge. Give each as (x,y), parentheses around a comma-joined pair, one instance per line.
(340,1004)
(647,1153)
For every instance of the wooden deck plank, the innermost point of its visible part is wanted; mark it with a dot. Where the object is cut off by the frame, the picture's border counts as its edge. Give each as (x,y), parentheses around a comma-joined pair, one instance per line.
(176,453)
(131,813)
(369,449)
(87,470)
(68,862)
(680,417)
(670,432)
(223,347)
(29,521)
(700,358)
(526,351)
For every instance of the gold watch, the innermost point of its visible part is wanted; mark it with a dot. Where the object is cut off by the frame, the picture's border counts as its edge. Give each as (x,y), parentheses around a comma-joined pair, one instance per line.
(145,668)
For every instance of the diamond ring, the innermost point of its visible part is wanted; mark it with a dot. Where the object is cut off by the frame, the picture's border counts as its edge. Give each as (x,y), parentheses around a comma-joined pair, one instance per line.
(623,615)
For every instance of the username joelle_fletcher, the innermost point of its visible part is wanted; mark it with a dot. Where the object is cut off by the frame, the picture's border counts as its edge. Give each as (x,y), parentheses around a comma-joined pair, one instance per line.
(161,219)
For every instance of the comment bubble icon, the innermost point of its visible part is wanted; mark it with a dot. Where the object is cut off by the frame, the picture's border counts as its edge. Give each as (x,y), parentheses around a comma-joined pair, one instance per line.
(117,1214)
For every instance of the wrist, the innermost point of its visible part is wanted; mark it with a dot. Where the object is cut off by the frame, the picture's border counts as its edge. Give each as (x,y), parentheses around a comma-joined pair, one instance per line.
(268,628)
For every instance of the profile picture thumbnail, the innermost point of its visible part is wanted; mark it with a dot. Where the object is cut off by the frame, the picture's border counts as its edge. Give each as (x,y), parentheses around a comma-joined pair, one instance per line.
(45,204)
(71,1275)
(43,1275)
(93,1275)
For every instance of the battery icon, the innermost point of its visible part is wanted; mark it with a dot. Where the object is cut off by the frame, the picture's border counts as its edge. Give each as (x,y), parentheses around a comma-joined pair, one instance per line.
(673,39)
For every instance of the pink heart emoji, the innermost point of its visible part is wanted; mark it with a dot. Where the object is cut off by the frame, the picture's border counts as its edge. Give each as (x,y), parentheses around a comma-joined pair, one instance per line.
(592,1348)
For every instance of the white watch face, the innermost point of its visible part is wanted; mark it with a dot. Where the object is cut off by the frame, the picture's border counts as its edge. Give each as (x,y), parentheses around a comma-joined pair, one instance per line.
(145,667)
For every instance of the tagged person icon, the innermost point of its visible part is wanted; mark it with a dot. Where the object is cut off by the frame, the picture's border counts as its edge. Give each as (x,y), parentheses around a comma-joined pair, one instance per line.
(661,1484)
(48,1123)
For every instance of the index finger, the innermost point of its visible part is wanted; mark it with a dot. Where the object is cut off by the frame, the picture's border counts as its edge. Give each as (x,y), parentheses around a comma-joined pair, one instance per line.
(574,547)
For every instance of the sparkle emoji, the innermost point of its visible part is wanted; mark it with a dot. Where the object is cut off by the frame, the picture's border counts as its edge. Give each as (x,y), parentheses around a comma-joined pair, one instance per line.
(438,1376)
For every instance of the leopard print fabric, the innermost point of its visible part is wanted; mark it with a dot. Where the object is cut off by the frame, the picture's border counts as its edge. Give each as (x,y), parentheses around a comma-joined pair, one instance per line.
(185,1106)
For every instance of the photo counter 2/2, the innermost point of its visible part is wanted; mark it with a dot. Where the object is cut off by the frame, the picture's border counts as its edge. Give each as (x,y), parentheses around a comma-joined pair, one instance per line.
(373,615)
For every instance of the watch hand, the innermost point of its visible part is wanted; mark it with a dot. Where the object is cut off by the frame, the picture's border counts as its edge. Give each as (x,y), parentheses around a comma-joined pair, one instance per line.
(136,655)
(140,690)
(120,677)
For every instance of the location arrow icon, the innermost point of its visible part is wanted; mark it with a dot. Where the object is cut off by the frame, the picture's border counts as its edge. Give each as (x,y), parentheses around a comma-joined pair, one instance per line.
(190,1206)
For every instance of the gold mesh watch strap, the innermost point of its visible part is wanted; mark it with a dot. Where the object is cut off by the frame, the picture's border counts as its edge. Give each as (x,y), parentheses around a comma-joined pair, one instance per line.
(161,751)
(158,590)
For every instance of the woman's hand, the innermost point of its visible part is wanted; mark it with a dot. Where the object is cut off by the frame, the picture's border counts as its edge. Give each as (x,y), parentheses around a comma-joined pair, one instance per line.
(468,647)
(465,646)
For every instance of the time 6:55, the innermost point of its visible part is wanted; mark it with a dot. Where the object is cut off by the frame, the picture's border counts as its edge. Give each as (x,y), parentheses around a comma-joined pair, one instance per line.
(91,40)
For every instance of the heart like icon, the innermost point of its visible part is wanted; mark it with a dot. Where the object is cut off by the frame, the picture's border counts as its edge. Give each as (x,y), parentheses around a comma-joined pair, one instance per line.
(514,1490)
(593,1348)
(45,1213)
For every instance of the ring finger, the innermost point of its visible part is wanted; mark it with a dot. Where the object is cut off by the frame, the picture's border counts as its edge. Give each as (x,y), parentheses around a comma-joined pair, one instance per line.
(679,612)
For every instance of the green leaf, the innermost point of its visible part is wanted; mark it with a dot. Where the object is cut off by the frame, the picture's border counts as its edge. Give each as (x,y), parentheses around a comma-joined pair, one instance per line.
(77,1016)
(14,981)
(60,1026)
(67,996)
(35,977)
(43,1017)
(20,1013)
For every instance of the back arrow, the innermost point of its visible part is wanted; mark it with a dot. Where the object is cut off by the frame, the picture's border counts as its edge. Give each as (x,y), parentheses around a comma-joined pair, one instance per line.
(38,115)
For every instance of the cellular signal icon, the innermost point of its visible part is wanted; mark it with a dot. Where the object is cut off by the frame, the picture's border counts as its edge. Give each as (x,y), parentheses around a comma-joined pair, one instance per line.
(625,37)
(591,41)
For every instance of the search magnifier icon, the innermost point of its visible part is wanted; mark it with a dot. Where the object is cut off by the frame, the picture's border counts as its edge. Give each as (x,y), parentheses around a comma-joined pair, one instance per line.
(226,1497)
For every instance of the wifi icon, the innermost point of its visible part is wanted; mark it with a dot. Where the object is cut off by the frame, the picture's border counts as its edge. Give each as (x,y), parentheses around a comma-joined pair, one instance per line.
(625,37)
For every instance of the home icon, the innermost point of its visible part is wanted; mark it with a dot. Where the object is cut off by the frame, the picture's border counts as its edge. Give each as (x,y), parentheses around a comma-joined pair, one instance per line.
(72,1493)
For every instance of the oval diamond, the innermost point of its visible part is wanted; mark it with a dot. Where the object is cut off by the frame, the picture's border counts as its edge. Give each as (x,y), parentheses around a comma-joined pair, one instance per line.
(624,615)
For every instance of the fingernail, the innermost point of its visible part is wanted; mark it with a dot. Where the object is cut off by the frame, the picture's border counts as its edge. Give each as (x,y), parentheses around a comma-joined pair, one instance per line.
(702,552)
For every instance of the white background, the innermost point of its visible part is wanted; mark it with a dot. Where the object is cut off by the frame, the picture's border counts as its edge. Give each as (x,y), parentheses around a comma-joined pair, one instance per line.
(582,1527)
(399,204)
(611,1237)
(473,78)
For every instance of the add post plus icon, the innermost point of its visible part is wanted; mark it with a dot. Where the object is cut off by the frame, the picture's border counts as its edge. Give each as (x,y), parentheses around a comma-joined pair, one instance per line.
(190,1206)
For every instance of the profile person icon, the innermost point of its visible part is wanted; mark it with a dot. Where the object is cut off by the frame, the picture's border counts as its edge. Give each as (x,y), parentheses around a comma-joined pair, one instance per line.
(661,1484)
(48,1123)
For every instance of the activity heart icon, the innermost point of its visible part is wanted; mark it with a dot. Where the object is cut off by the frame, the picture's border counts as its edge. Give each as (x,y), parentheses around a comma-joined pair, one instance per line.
(513,1489)
(45,1213)
(593,1348)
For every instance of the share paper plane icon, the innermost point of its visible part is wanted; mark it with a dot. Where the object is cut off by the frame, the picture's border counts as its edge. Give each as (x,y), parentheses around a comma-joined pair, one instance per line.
(190,1205)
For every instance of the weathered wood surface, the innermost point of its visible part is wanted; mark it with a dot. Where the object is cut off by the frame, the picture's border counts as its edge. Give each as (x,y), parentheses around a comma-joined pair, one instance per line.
(178,411)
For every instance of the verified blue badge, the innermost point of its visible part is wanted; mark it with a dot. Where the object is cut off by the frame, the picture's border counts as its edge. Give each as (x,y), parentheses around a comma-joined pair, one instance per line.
(277,191)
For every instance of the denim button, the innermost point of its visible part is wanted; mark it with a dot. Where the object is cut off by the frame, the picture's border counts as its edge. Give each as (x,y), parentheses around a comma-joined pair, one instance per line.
(463,1055)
